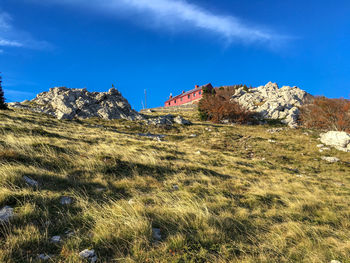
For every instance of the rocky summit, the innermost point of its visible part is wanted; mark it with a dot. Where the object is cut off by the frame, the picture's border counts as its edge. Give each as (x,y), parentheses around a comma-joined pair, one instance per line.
(272,102)
(65,103)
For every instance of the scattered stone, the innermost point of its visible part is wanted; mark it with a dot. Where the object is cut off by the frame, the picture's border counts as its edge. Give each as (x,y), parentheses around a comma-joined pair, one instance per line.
(167,120)
(100,189)
(6,214)
(208,129)
(131,202)
(193,135)
(182,121)
(89,255)
(65,200)
(56,239)
(157,137)
(64,103)
(44,257)
(156,234)
(336,139)
(273,103)
(320,145)
(176,187)
(330,159)
(335,261)
(324,149)
(198,152)
(274,130)
(271,141)
(30,181)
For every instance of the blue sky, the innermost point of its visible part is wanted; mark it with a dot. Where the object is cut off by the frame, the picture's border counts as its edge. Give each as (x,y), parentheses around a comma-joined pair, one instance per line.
(166,46)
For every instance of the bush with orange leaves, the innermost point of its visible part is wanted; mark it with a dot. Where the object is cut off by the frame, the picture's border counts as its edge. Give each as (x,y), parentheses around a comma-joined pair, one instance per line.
(216,106)
(326,114)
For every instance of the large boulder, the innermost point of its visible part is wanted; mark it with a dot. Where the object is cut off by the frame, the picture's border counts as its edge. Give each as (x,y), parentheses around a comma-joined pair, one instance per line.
(337,139)
(64,103)
(272,102)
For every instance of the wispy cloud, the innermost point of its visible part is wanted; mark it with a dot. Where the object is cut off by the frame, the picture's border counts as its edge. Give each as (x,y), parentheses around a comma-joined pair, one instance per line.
(179,15)
(15,38)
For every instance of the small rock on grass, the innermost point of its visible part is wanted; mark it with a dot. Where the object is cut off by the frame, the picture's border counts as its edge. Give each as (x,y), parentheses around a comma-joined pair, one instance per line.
(175,187)
(30,181)
(89,255)
(156,234)
(56,239)
(330,159)
(6,214)
(44,257)
(335,261)
(65,200)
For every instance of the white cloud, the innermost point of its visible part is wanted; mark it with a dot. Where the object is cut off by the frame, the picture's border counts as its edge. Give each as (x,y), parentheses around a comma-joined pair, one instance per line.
(15,38)
(177,15)
(9,43)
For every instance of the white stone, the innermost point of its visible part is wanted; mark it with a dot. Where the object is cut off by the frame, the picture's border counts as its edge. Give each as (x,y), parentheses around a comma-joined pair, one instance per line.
(336,139)
(30,181)
(65,200)
(156,234)
(44,257)
(89,255)
(56,239)
(6,214)
(330,159)
(180,120)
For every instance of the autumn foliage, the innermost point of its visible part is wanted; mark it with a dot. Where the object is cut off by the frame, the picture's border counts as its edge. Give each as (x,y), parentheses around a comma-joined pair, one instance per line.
(326,114)
(216,106)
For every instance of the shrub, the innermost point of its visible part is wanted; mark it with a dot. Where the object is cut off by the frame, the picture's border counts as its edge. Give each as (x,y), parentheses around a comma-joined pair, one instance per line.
(217,106)
(326,114)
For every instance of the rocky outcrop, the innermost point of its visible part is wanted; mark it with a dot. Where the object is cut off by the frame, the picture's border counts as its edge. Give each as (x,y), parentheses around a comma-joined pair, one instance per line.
(272,102)
(64,103)
(167,120)
(337,139)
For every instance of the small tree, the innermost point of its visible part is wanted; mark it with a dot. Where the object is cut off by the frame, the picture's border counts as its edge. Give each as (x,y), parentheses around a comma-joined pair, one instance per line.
(3,105)
(326,114)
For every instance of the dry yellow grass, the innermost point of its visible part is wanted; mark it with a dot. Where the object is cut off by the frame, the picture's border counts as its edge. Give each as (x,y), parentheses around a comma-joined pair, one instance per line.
(240,197)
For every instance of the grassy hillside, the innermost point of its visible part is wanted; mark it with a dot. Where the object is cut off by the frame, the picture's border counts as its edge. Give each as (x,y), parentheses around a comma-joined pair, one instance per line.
(230,194)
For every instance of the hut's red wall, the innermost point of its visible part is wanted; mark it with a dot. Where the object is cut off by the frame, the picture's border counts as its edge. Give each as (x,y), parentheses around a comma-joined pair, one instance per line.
(184,99)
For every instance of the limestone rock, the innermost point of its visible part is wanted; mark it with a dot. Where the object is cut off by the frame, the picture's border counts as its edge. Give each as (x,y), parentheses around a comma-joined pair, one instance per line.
(182,121)
(44,257)
(273,103)
(337,139)
(330,159)
(89,255)
(156,234)
(6,214)
(64,103)
(65,200)
(167,120)
(30,181)
(56,239)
